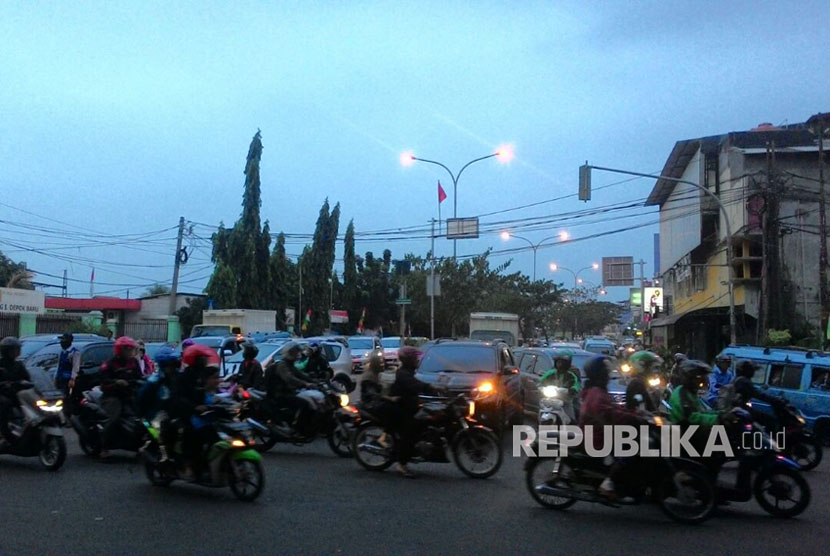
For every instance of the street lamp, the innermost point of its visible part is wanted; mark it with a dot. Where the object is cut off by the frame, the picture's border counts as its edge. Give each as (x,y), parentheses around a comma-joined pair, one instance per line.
(585,177)
(505,236)
(504,154)
(577,280)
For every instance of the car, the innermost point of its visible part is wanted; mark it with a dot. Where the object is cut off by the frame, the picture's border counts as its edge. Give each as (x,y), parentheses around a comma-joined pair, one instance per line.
(336,354)
(800,376)
(488,367)
(153,347)
(34,343)
(601,346)
(363,347)
(44,364)
(225,346)
(390,345)
(534,362)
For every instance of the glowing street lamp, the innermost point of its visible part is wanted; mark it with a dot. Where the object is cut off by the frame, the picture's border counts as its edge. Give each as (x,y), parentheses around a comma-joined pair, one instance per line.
(564,236)
(577,280)
(505,236)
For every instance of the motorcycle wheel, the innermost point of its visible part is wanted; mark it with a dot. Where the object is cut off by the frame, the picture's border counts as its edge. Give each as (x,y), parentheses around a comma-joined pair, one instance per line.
(537,474)
(695,500)
(264,441)
(477,453)
(53,453)
(367,450)
(782,484)
(89,446)
(807,453)
(247,479)
(340,441)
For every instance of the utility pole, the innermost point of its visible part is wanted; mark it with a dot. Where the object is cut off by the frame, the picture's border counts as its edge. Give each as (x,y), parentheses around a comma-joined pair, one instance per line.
(822,265)
(432,283)
(175,285)
(300,297)
(403,307)
(64,285)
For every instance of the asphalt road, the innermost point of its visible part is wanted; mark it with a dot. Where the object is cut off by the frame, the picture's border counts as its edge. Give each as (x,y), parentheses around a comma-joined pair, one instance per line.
(315,502)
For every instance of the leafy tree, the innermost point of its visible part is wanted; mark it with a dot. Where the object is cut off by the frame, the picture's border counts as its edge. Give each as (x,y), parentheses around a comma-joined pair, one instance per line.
(14,275)
(350,299)
(191,314)
(157,289)
(222,287)
(283,276)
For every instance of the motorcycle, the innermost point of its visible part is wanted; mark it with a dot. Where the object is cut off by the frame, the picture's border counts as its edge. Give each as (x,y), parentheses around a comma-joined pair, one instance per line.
(681,487)
(271,427)
(446,425)
(231,461)
(778,485)
(88,420)
(799,444)
(552,406)
(34,427)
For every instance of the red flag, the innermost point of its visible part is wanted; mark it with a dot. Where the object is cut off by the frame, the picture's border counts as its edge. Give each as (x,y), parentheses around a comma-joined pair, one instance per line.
(441,194)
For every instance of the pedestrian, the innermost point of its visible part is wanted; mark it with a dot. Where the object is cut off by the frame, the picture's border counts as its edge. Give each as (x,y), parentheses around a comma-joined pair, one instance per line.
(109,334)
(144,362)
(69,364)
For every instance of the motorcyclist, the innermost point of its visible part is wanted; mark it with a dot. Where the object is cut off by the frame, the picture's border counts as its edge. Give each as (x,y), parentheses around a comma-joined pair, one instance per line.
(251,374)
(564,375)
(721,377)
(317,366)
(189,395)
(406,390)
(203,432)
(743,391)
(599,410)
(119,378)
(69,365)
(675,377)
(156,397)
(283,380)
(643,364)
(12,374)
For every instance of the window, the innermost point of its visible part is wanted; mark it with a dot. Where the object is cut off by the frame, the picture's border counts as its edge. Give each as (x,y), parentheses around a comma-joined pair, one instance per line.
(785,376)
(46,358)
(543,364)
(760,372)
(95,356)
(332,351)
(820,379)
(459,358)
(711,176)
(527,363)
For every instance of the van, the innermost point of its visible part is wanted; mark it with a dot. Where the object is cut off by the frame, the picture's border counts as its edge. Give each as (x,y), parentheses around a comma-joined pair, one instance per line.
(802,377)
(601,346)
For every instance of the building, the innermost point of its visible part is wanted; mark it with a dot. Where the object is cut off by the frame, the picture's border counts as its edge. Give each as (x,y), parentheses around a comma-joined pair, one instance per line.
(768,180)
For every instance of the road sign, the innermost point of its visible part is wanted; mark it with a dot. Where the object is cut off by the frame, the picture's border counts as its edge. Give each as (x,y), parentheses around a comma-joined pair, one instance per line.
(635,297)
(14,300)
(403,301)
(434,289)
(617,271)
(462,228)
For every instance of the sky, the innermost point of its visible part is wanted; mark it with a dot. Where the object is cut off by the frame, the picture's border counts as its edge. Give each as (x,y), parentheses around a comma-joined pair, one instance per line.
(117,118)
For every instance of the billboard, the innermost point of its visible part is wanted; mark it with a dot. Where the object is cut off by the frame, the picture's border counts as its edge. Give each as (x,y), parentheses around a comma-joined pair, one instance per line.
(13,300)
(654,301)
(635,297)
(462,228)
(617,271)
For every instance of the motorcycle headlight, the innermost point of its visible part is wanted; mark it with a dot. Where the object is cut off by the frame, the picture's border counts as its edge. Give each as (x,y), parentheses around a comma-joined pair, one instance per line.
(238,443)
(471,408)
(550,391)
(344,400)
(626,368)
(801,419)
(43,405)
(654,381)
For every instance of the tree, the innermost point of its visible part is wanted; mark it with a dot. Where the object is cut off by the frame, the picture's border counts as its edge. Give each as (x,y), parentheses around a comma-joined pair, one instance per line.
(157,289)
(350,300)
(222,287)
(14,275)
(317,267)
(191,314)
(283,277)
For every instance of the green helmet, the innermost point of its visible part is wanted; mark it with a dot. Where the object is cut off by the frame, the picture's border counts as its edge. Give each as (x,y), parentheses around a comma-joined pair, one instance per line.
(644,361)
(563,355)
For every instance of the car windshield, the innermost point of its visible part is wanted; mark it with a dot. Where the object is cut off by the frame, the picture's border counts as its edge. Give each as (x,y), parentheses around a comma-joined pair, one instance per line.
(30,347)
(460,359)
(265,350)
(209,342)
(361,343)
(391,342)
(210,331)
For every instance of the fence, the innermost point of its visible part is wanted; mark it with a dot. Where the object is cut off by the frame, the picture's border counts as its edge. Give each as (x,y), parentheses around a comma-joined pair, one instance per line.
(55,324)
(149,330)
(9,324)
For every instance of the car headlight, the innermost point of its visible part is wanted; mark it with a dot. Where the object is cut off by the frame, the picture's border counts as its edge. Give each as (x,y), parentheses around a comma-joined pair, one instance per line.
(43,405)
(344,400)
(550,391)
(486,388)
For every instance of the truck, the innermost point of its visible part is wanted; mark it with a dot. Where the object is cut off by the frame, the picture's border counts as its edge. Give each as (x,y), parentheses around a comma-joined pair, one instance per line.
(225,322)
(495,326)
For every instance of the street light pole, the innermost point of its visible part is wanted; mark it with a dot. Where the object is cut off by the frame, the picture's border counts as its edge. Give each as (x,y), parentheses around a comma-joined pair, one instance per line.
(535,246)
(732,322)
(554,267)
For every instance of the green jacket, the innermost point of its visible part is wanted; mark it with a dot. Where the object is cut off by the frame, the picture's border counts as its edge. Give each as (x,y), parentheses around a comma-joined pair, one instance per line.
(569,379)
(688,409)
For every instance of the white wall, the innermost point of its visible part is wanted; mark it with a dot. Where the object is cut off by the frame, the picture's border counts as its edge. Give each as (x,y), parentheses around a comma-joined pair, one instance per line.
(680,217)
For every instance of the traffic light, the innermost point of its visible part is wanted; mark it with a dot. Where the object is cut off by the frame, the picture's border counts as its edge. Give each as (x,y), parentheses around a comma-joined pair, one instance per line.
(585,182)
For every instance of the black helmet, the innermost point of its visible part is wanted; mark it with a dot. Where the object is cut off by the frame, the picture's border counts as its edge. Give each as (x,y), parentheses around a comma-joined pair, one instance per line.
(694,374)
(291,351)
(598,370)
(249,349)
(745,368)
(10,347)
(409,357)
(680,357)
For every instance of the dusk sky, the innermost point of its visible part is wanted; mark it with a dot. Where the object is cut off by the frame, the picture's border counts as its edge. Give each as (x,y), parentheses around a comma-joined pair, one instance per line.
(116,118)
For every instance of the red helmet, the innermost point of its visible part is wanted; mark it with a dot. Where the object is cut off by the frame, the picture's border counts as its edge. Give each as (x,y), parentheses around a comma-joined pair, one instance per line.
(195,352)
(409,356)
(122,343)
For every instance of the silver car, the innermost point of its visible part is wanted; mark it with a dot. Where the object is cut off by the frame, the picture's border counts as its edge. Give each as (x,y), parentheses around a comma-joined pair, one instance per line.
(362,348)
(338,355)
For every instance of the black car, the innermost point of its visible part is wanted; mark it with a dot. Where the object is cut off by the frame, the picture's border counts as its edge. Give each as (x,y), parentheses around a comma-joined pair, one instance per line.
(462,366)
(36,342)
(44,363)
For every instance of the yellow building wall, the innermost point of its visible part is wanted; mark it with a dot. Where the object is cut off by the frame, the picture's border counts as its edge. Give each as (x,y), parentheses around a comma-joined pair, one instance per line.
(716,293)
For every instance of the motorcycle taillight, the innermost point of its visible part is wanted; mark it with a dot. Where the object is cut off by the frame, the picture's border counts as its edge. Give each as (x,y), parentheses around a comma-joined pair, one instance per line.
(84,401)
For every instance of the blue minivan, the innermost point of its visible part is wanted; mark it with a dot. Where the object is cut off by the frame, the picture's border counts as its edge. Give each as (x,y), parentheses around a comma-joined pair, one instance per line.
(800,376)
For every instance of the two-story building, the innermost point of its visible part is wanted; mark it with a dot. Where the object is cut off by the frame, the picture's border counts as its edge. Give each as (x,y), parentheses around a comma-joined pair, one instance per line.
(768,180)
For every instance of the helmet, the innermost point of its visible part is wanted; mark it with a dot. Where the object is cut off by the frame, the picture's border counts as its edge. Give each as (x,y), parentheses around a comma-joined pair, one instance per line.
(199,354)
(597,370)
(10,347)
(563,355)
(745,368)
(249,349)
(122,343)
(187,343)
(291,351)
(166,355)
(694,374)
(408,356)
(680,357)
(644,361)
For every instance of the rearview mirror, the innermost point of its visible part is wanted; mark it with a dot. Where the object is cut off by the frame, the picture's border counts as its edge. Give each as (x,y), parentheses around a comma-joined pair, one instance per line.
(227,353)
(510,370)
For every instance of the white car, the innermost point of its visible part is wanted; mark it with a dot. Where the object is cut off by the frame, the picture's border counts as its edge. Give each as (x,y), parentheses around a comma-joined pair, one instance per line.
(390,346)
(338,356)
(363,347)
